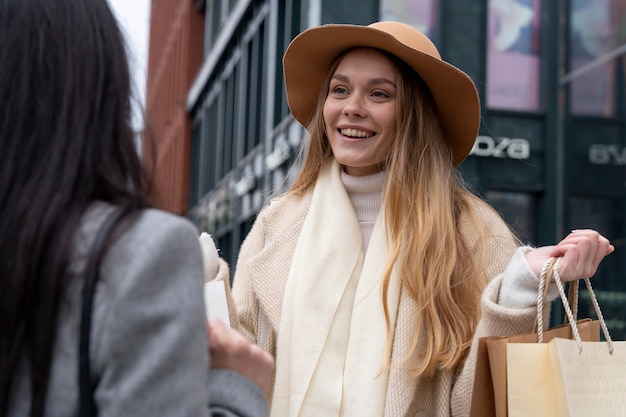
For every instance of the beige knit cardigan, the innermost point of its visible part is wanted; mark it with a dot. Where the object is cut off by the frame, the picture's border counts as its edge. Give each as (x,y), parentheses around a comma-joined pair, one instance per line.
(259,284)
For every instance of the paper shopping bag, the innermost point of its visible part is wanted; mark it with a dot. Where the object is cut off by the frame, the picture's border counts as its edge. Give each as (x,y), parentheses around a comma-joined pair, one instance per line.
(530,381)
(557,380)
(590,379)
(567,378)
(496,349)
(489,395)
(483,404)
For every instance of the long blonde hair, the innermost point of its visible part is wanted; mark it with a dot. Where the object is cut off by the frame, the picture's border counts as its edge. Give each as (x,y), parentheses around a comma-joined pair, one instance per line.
(424,202)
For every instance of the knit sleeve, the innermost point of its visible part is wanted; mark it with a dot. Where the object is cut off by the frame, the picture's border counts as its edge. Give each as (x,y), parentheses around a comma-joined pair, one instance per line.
(520,284)
(242,291)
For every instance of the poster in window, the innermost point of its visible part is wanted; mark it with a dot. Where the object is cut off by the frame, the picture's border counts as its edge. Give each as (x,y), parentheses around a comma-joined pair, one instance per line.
(418,13)
(592,37)
(513,54)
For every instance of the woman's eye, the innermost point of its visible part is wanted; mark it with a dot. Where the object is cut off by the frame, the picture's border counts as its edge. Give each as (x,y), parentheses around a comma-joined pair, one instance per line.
(380,94)
(340,90)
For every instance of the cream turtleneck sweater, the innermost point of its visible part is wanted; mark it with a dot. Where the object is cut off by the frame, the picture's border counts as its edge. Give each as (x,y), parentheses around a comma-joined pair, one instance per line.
(366,194)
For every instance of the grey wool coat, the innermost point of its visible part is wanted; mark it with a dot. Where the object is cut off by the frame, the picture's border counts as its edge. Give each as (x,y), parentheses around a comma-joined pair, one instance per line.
(149,350)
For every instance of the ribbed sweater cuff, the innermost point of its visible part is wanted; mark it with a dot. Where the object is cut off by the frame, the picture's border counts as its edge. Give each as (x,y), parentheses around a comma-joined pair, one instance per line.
(520,284)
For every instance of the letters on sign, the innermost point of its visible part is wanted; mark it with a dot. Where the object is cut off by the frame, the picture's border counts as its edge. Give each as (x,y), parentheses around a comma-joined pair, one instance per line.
(607,155)
(487,146)
(518,148)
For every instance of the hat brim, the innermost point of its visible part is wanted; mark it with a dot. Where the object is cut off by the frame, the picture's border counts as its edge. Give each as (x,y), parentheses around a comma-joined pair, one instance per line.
(310,54)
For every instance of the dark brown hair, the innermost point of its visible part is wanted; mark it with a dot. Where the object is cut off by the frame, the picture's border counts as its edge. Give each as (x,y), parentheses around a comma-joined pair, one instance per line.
(66,141)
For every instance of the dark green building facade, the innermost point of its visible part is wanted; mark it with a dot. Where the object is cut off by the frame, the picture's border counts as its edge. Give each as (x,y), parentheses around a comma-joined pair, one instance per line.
(551,151)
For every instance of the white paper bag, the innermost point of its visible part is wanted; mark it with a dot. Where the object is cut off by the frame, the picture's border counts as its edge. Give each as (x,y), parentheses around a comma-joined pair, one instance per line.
(591,382)
(215,301)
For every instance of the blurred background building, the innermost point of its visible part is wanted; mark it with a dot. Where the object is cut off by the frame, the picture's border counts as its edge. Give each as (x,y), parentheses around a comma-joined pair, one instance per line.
(551,151)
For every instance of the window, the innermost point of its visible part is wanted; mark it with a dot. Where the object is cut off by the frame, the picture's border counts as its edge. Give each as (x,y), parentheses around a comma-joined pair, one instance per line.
(288,27)
(513,55)
(518,210)
(229,122)
(254,123)
(604,215)
(420,14)
(597,35)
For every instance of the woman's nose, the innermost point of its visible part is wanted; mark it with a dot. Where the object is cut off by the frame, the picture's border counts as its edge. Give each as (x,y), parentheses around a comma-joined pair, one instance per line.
(355,105)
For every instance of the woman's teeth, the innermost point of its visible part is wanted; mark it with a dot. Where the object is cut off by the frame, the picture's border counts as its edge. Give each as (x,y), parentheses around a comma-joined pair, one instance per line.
(354,133)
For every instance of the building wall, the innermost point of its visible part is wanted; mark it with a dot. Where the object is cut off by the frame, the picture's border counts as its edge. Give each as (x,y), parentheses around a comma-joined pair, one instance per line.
(175,54)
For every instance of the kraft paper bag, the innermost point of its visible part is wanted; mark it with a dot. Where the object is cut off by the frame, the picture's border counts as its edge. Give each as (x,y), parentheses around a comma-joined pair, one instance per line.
(483,404)
(497,361)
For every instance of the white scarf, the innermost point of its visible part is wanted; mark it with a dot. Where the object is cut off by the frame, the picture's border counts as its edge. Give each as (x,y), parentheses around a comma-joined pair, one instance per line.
(332,336)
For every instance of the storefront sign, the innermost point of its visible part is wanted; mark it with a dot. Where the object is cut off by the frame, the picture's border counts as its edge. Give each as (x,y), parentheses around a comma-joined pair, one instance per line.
(607,155)
(487,146)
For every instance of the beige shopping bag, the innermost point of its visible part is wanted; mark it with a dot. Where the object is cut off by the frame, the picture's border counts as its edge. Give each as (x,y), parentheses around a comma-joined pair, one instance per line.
(496,350)
(530,381)
(489,394)
(590,378)
(567,378)
(557,379)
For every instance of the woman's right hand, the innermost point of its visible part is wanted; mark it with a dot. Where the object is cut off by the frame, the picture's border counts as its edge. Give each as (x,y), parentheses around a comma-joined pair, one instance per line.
(229,349)
(581,252)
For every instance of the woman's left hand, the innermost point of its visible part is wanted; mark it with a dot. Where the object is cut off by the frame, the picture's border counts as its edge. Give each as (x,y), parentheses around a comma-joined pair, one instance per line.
(229,349)
(581,252)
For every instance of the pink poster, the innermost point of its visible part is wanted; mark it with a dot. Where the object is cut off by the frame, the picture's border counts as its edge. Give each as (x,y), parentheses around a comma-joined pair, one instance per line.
(417,13)
(513,51)
(592,73)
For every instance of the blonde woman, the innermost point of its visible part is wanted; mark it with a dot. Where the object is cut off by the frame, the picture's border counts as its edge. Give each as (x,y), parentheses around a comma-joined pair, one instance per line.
(371,278)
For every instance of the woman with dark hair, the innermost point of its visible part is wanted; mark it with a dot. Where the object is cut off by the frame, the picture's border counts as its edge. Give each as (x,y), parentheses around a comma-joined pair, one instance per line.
(68,160)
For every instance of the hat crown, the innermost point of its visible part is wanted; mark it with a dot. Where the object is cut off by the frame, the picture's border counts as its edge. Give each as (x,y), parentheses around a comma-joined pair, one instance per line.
(408,36)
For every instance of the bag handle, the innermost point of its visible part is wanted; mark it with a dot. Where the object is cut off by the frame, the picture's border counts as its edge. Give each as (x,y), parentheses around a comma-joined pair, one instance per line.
(551,269)
(542,293)
(544,279)
(87,406)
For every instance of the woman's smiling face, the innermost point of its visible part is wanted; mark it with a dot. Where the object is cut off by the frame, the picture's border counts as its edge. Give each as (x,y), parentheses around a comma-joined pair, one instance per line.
(360,111)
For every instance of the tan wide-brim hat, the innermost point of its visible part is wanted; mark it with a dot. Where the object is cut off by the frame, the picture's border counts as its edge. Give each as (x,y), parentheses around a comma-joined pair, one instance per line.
(311,53)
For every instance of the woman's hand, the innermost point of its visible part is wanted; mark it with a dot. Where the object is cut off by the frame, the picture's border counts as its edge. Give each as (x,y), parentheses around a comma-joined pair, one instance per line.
(581,252)
(229,349)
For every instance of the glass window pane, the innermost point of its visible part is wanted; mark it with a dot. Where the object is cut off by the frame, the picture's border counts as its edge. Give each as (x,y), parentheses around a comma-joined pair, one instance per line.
(196,161)
(605,216)
(420,14)
(513,55)
(596,30)
(518,210)
(216,15)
